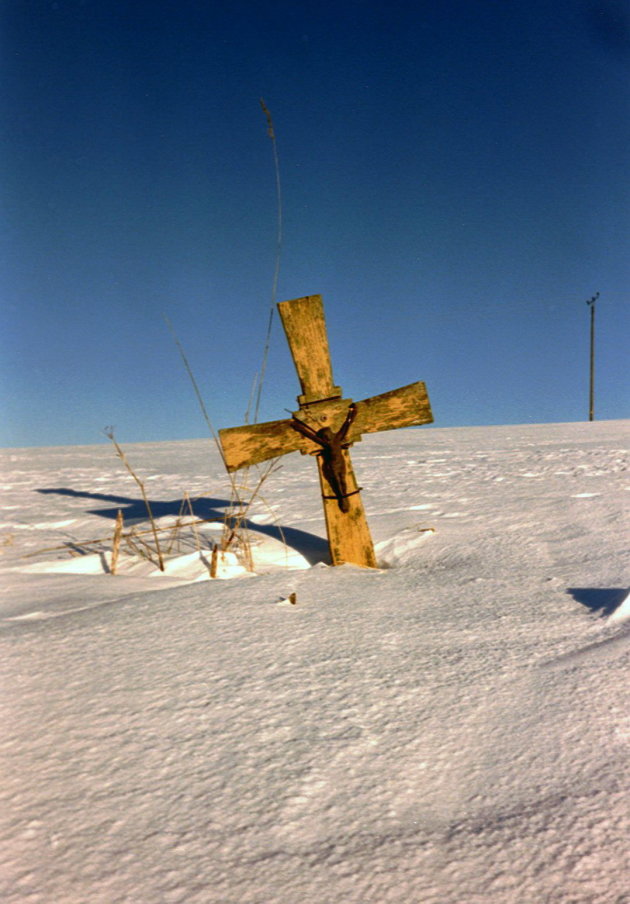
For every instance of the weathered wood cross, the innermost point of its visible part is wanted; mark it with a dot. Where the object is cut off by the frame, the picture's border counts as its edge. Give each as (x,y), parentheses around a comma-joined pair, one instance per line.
(325,426)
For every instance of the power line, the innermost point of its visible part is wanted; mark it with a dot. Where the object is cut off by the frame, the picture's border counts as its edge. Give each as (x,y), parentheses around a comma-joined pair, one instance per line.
(591,390)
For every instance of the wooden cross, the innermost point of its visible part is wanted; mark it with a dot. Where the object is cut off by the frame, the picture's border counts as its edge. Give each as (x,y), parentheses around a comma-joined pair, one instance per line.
(325,426)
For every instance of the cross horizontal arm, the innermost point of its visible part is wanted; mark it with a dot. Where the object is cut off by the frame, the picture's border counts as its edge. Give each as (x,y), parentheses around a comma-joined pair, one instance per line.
(405,407)
(253,443)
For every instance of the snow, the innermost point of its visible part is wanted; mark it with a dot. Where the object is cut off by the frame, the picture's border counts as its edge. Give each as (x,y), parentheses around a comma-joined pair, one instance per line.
(451,728)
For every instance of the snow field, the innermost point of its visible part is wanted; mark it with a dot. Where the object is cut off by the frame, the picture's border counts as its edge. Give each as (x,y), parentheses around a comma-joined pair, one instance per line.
(453,727)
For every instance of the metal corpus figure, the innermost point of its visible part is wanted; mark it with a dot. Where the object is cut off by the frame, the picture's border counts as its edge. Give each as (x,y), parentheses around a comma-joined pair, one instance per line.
(331,452)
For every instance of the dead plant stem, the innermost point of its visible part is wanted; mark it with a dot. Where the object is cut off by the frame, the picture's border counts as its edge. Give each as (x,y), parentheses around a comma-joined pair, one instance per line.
(271,132)
(109,432)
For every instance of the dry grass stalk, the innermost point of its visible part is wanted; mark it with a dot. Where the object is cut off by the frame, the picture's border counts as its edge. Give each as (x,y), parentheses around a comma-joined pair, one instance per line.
(175,533)
(235,534)
(188,503)
(109,432)
(235,531)
(139,548)
(271,132)
(235,528)
(81,548)
(118,530)
(235,498)
(236,518)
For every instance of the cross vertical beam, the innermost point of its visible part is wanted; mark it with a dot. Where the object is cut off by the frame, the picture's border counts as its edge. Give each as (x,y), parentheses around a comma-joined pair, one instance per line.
(305,328)
(349,537)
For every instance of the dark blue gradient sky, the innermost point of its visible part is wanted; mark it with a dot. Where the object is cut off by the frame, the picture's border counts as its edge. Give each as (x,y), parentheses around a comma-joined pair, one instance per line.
(455,183)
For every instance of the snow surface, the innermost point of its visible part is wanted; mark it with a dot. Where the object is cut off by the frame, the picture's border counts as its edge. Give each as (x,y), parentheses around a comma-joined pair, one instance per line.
(453,727)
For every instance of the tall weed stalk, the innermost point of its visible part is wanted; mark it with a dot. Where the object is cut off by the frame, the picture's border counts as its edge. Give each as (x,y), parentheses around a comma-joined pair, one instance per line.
(259,382)
(109,433)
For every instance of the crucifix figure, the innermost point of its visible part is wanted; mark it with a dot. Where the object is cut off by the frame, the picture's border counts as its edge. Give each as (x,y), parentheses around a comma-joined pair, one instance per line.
(332,446)
(326,425)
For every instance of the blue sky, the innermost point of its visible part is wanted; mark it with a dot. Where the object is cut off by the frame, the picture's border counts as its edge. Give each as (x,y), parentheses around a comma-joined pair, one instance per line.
(454,180)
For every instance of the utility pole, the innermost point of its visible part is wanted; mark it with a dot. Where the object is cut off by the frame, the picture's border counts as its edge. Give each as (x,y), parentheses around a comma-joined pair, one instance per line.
(591,394)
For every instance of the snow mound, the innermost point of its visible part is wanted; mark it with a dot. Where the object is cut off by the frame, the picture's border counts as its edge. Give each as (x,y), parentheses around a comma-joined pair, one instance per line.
(268,555)
(622,613)
(190,567)
(402,546)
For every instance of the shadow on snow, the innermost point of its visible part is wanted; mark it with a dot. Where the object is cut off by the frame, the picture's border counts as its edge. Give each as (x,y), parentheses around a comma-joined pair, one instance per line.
(603,601)
(313,548)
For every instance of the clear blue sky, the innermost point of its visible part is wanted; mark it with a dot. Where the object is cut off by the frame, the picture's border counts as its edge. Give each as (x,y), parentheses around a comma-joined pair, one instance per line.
(455,179)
